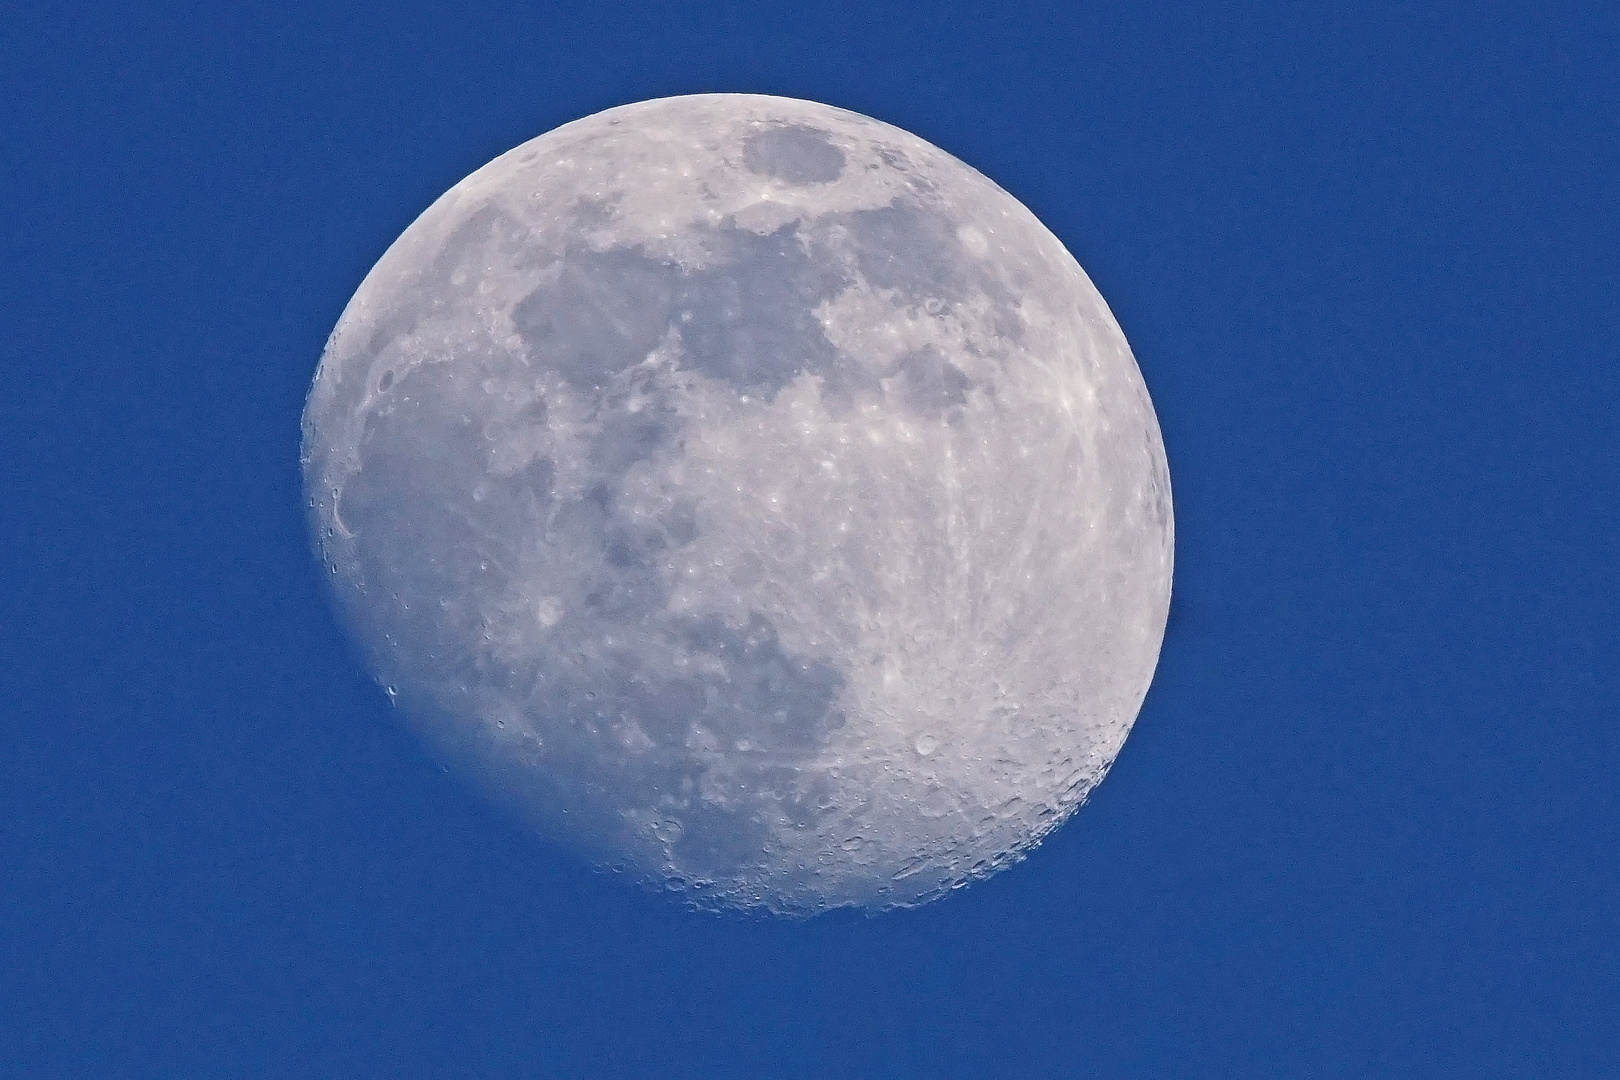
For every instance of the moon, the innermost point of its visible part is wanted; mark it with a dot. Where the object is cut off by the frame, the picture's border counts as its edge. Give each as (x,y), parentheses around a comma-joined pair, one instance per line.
(754,497)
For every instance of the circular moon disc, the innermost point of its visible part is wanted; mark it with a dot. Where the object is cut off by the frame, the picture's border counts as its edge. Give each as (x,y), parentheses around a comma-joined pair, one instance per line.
(752,494)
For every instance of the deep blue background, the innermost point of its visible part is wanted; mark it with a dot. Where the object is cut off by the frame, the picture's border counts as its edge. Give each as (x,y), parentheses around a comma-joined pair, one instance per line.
(1367,825)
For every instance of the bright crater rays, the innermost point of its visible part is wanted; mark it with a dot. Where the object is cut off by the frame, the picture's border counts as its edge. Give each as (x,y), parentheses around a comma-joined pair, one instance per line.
(754,496)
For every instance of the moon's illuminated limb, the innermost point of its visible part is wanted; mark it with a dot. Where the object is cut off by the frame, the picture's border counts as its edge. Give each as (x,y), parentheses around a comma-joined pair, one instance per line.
(757,496)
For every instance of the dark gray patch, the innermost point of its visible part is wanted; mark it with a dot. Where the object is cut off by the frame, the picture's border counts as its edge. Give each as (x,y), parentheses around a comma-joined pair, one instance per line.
(627,437)
(718,842)
(595,325)
(750,321)
(914,251)
(797,154)
(929,384)
(596,703)
(905,247)
(605,312)
(625,547)
(580,523)
(530,489)
(768,710)
(533,412)
(422,452)
(624,587)
(847,381)
(679,524)
(777,702)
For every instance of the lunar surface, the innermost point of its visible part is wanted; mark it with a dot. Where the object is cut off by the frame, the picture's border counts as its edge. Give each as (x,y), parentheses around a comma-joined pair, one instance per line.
(754,496)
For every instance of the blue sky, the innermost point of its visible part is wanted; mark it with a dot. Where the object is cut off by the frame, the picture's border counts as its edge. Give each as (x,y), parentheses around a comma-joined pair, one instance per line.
(1367,824)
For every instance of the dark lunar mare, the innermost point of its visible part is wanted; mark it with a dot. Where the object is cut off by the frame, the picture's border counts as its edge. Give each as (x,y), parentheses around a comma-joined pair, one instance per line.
(748,320)
(794,152)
